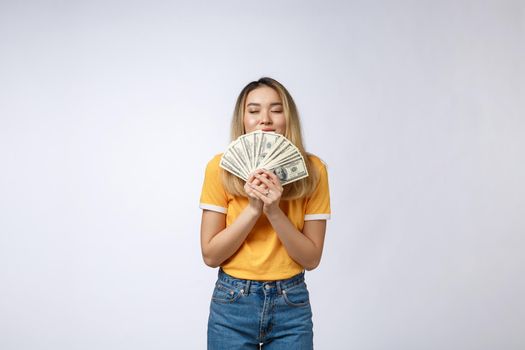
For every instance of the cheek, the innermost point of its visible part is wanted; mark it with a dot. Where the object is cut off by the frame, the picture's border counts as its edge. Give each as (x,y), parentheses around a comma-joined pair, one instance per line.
(281,122)
(249,123)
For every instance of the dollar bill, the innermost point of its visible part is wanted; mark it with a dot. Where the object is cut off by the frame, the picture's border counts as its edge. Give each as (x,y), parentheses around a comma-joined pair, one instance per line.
(283,151)
(291,171)
(272,149)
(228,162)
(266,150)
(268,142)
(237,150)
(283,161)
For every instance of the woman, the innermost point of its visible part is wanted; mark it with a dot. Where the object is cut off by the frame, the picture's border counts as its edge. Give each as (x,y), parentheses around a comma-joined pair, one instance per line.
(263,235)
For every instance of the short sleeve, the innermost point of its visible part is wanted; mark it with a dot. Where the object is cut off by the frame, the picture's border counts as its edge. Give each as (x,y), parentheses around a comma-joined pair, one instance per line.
(213,195)
(318,204)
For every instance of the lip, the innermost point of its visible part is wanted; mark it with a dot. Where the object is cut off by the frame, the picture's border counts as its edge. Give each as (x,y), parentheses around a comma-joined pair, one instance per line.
(267,129)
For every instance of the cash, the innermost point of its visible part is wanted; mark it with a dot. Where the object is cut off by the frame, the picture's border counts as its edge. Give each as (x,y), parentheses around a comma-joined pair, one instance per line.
(264,150)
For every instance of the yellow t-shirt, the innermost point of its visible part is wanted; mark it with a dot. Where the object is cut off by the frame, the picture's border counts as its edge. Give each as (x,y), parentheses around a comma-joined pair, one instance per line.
(262,256)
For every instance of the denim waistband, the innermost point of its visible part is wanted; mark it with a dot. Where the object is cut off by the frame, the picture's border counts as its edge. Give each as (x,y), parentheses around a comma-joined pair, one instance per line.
(249,285)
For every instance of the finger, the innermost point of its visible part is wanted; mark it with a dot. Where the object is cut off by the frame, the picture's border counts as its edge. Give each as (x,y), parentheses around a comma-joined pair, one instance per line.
(265,180)
(271,177)
(253,182)
(274,178)
(262,197)
(252,194)
(248,187)
(276,186)
(259,171)
(263,189)
(262,172)
(251,178)
(257,183)
(248,191)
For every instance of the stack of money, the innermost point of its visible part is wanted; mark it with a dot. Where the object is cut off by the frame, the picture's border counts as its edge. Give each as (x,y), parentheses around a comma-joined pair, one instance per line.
(264,150)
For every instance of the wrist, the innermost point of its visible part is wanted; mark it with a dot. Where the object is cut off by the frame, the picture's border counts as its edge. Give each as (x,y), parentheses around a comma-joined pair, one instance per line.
(274,213)
(253,211)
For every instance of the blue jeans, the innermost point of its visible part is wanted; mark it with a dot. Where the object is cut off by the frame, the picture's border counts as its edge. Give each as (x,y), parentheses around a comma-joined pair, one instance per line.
(246,313)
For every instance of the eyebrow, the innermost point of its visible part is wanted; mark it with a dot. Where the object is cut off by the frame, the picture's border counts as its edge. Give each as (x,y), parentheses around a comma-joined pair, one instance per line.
(259,105)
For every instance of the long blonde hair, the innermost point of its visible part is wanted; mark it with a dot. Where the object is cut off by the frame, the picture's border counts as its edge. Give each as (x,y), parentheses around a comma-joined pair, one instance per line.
(298,189)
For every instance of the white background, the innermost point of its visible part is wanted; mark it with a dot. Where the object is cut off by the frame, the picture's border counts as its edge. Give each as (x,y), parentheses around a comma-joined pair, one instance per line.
(110,110)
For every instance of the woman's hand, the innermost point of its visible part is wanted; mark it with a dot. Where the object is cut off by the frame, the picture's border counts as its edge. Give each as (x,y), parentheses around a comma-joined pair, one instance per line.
(267,188)
(255,203)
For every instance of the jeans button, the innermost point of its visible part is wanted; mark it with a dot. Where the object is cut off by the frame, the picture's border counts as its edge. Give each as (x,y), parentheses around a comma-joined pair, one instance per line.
(267,286)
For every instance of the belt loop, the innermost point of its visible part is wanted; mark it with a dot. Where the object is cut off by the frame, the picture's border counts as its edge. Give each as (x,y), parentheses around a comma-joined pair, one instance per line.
(248,283)
(279,287)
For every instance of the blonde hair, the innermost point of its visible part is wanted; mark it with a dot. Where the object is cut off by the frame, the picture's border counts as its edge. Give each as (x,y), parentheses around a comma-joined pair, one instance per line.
(298,189)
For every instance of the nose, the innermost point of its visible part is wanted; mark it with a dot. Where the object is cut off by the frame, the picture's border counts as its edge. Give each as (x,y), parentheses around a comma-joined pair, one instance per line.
(265,117)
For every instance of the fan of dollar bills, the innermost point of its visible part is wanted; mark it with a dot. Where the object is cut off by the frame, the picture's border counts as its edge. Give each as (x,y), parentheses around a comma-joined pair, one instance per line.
(264,150)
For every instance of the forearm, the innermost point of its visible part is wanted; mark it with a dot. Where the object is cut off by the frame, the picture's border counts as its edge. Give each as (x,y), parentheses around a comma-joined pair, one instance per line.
(299,247)
(225,243)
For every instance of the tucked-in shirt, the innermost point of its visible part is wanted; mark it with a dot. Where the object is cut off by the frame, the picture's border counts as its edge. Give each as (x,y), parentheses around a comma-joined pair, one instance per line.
(262,256)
